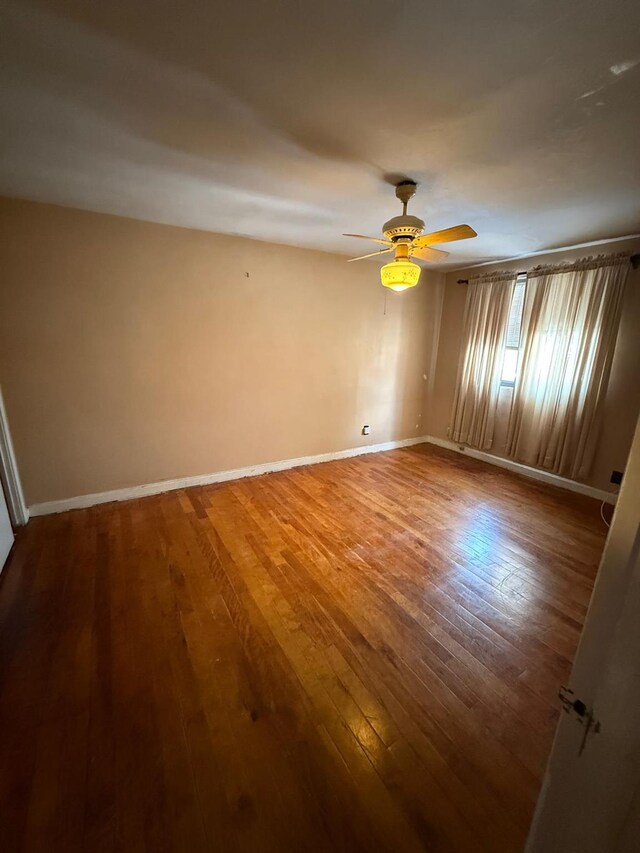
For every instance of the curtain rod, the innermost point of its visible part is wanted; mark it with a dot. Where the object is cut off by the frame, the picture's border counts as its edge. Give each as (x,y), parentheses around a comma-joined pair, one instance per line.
(634,261)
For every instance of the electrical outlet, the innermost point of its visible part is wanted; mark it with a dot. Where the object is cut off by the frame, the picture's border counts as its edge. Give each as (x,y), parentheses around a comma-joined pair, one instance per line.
(366,429)
(616,477)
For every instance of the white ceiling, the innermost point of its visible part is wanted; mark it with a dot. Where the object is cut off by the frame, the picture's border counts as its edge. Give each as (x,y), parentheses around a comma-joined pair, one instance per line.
(279,119)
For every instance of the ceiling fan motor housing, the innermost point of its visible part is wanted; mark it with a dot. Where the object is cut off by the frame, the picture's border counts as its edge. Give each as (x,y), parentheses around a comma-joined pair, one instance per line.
(408,227)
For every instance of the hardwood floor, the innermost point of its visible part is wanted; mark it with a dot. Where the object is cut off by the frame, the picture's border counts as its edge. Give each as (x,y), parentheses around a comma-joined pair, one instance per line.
(362,655)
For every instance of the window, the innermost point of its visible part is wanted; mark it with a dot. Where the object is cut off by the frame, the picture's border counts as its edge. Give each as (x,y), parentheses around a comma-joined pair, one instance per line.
(513,335)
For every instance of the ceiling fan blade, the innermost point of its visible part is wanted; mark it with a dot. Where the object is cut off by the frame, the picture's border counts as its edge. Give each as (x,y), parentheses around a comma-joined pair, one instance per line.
(375,239)
(372,255)
(427,254)
(447,235)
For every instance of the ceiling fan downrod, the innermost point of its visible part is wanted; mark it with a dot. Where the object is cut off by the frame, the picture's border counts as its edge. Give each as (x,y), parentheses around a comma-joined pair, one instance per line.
(405,191)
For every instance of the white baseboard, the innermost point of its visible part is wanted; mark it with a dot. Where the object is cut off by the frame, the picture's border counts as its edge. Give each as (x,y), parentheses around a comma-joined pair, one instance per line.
(82,501)
(525,470)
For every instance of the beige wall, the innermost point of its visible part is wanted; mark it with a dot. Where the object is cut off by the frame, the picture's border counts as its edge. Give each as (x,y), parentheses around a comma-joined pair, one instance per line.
(623,396)
(132,352)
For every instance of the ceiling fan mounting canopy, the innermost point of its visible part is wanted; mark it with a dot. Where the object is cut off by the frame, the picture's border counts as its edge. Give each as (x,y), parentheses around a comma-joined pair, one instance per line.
(405,191)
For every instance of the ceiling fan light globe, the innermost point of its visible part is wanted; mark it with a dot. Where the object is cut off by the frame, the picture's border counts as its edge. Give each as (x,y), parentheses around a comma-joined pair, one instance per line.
(400,274)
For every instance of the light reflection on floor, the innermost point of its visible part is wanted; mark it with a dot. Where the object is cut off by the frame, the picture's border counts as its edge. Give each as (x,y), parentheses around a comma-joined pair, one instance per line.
(487,552)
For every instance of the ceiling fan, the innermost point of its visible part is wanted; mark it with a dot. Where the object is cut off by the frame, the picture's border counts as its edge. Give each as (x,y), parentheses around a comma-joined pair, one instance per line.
(404,236)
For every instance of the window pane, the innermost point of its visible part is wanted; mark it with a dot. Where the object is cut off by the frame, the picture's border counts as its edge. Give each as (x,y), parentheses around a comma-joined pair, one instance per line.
(509,365)
(515,314)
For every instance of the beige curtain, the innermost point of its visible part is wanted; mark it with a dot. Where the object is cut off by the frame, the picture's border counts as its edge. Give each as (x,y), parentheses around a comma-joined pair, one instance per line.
(485,322)
(569,330)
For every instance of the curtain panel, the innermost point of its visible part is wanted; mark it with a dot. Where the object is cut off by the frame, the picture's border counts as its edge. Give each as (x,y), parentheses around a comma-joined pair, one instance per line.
(569,329)
(478,382)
